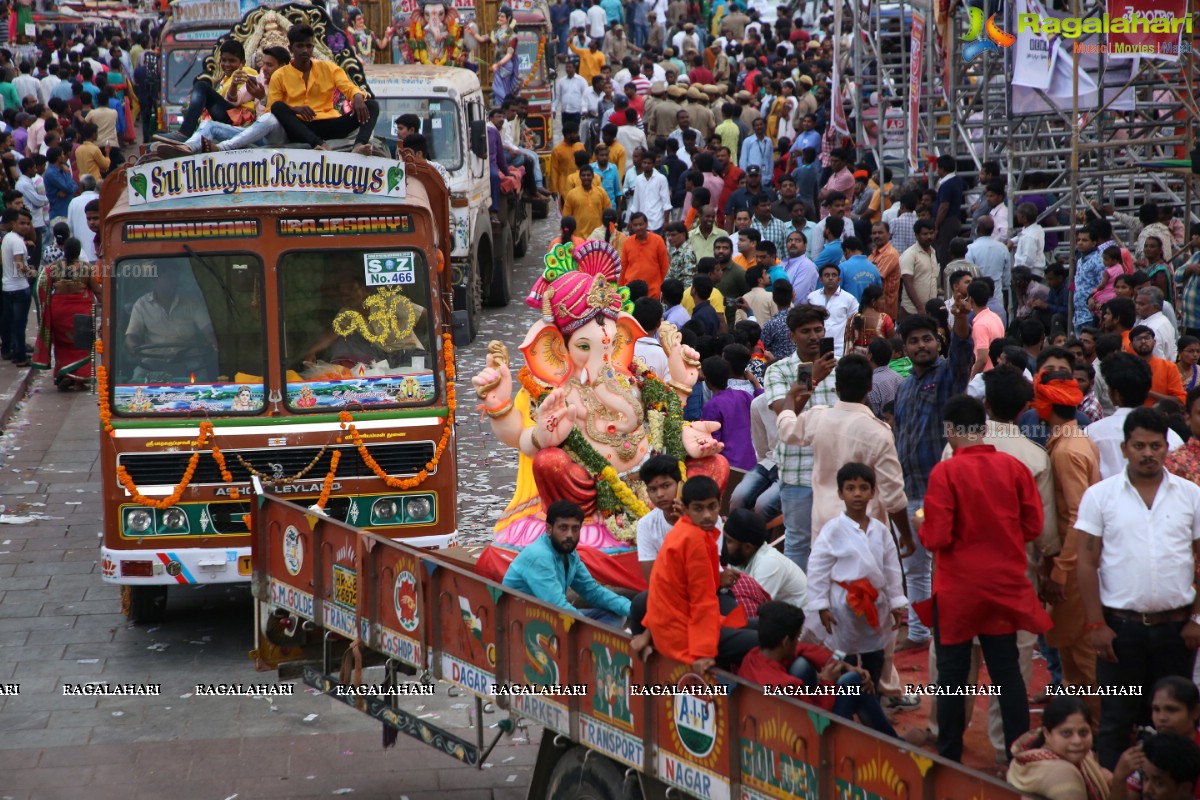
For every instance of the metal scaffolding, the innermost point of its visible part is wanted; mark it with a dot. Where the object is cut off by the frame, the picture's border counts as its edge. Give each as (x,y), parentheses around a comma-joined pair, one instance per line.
(1091,154)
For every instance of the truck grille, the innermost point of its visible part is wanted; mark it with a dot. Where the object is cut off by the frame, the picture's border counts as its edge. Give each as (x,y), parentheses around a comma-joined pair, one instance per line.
(158,469)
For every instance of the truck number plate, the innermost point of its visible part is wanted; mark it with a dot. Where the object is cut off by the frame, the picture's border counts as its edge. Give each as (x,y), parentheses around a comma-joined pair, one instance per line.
(345,587)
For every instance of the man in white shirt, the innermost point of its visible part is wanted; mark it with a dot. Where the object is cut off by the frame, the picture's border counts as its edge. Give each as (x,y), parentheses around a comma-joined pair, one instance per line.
(512,137)
(1136,565)
(27,85)
(747,550)
(994,261)
(579,17)
(651,194)
(597,22)
(993,197)
(569,94)
(1149,304)
(840,304)
(649,313)
(16,294)
(686,39)
(1029,243)
(77,218)
(662,478)
(628,134)
(1128,379)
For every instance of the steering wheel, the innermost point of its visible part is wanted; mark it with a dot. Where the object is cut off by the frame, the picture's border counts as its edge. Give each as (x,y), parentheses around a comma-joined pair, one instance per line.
(172,351)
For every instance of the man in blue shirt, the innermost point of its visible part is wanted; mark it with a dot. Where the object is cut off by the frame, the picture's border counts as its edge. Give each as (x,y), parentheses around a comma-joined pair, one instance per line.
(550,565)
(832,252)
(560,21)
(758,151)
(948,213)
(60,185)
(920,435)
(1089,269)
(857,272)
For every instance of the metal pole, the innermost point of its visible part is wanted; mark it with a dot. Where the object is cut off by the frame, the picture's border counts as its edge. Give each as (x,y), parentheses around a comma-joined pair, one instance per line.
(1074,167)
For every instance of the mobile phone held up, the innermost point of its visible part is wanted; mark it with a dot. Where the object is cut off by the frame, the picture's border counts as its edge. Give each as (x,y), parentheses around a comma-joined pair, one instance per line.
(804,376)
(826,345)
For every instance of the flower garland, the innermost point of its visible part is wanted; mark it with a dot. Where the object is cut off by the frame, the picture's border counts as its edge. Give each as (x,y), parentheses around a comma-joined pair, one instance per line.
(206,430)
(206,436)
(618,503)
(102,388)
(327,484)
(419,478)
(533,71)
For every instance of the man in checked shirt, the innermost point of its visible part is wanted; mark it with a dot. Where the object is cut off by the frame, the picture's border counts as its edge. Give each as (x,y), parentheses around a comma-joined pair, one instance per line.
(920,435)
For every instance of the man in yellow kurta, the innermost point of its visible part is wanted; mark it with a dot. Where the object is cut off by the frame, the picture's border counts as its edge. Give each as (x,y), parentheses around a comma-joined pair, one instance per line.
(591,60)
(586,203)
(562,162)
(301,98)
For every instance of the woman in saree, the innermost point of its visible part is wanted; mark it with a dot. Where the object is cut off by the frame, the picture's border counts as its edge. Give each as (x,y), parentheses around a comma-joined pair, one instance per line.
(506,77)
(65,289)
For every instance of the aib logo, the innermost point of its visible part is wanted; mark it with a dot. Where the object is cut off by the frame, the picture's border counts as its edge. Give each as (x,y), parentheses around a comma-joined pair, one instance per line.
(975,38)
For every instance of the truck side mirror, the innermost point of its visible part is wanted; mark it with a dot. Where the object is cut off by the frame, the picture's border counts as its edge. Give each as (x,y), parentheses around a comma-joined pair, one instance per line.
(82,333)
(479,142)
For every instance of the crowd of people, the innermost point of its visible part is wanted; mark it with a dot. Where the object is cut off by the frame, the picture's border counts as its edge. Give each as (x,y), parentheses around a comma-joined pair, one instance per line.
(968,449)
(69,105)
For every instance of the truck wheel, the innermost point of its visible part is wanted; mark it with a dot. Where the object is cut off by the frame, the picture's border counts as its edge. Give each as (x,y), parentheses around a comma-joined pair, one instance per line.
(524,230)
(144,604)
(500,280)
(585,775)
(541,208)
(474,293)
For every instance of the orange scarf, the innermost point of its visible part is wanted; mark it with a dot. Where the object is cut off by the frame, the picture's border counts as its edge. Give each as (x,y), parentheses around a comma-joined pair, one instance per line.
(1048,392)
(861,597)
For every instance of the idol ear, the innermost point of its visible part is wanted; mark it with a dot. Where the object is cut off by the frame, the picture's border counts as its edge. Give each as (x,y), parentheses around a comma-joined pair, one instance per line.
(546,354)
(628,332)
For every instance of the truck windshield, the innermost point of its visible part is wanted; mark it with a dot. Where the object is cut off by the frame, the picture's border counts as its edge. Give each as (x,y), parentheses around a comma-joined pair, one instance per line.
(356,331)
(439,125)
(183,67)
(188,335)
(527,50)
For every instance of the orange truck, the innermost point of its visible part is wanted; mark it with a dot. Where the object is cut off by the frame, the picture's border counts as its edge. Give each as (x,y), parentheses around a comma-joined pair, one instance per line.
(276,315)
(362,599)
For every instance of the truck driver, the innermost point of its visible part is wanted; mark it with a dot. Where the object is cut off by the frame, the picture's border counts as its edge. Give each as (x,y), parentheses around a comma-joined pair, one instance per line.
(170,336)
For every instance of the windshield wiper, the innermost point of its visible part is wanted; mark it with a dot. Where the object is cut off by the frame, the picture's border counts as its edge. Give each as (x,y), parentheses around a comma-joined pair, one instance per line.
(229,302)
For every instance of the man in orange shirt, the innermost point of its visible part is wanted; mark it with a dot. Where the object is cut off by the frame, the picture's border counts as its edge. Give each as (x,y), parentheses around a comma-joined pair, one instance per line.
(301,98)
(887,261)
(685,619)
(644,255)
(1165,382)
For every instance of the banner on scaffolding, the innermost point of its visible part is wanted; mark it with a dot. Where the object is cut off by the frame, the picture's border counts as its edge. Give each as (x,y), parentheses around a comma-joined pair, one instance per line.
(1159,25)
(915,71)
(1035,53)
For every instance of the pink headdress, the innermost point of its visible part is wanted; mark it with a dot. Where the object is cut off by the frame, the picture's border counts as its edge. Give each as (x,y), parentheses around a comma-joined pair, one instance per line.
(579,285)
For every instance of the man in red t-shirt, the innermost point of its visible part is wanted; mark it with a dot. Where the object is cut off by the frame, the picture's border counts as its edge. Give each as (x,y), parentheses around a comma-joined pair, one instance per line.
(782,660)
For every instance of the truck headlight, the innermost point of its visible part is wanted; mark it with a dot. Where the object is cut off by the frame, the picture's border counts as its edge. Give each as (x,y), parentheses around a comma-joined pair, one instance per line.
(385,510)
(139,521)
(174,519)
(418,509)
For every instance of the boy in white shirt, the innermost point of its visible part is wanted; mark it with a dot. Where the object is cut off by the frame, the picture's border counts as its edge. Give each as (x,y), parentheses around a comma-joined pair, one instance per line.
(662,478)
(854,579)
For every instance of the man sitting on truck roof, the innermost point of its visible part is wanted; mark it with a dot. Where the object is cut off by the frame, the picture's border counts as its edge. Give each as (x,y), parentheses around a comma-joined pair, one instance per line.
(230,102)
(264,131)
(301,98)
(548,566)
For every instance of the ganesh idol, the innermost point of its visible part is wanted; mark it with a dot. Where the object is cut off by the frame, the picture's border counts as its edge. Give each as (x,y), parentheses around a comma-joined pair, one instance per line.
(587,415)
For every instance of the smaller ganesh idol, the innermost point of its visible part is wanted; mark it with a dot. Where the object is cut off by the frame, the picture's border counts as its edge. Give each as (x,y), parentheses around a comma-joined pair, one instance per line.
(588,415)
(434,35)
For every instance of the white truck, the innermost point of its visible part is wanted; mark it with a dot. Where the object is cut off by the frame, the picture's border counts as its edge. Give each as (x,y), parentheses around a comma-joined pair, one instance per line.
(453,114)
